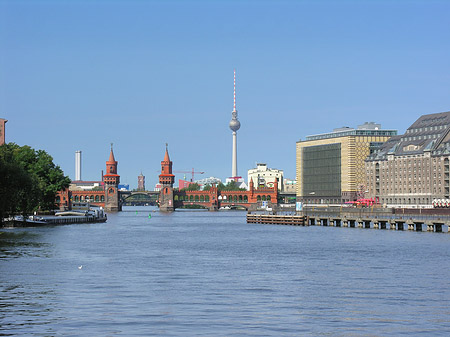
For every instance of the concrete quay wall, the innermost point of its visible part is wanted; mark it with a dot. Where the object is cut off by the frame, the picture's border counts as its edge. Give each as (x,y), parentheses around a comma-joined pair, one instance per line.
(359,218)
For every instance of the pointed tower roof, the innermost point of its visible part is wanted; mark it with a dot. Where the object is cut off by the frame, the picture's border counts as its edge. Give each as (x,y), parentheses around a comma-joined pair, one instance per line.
(111,155)
(166,156)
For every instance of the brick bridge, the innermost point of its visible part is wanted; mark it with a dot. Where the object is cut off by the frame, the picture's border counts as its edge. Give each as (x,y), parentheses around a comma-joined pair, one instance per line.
(168,198)
(212,199)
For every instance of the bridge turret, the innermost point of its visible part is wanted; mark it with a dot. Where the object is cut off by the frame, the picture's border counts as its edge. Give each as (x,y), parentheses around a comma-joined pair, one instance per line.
(166,179)
(111,180)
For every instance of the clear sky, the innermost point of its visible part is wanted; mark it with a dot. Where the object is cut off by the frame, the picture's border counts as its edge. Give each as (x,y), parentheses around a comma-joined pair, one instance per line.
(79,75)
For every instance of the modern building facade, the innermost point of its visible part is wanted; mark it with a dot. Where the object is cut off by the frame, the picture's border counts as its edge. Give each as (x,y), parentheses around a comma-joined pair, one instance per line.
(209,181)
(2,130)
(330,167)
(263,176)
(413,169)
(290,186)
(80,185)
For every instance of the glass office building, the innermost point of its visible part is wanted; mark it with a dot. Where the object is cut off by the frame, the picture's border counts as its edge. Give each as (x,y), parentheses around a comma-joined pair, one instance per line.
(330,166)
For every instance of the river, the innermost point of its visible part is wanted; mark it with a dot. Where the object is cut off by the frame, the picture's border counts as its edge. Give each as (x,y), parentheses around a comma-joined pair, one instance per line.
(198,273)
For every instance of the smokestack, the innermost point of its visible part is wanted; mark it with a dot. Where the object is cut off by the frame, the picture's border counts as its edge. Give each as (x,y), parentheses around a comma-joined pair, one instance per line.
(78,165)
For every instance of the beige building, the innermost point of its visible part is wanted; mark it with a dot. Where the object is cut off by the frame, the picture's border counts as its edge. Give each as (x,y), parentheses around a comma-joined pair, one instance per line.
(263,176)
(413,169)
(290,186)
(330,167)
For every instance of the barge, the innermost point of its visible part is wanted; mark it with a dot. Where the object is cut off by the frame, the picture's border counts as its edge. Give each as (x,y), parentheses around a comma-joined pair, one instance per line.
(60,218)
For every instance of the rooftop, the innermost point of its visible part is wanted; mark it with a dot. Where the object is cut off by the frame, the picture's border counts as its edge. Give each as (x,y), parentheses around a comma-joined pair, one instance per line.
(366,129)
(428,133)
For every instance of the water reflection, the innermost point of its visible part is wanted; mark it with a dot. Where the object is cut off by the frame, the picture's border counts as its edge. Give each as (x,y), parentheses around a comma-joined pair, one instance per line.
(21,243)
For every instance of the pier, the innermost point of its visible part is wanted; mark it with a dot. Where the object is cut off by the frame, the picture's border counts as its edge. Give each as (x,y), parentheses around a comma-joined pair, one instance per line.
(419,220)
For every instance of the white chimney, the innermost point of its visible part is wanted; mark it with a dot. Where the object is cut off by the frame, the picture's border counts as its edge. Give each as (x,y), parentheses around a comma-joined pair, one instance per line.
(77,165)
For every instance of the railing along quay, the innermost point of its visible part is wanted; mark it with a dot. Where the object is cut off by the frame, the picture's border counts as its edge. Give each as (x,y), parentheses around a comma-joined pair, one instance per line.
(381,218)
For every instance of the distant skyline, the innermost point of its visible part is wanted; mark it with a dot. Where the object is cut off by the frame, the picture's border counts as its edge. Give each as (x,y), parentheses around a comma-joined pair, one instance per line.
(79,75)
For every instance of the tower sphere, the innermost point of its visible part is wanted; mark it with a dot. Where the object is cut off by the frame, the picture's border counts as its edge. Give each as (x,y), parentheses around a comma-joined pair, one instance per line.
(235,124)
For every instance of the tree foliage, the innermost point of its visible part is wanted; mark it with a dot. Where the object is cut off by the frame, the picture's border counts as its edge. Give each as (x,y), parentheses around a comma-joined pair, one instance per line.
(192,187)
(231,186)
(29,180)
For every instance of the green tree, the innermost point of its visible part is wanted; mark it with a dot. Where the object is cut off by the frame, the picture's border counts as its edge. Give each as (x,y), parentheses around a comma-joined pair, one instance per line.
(18,192)
(231,186)
(28,180)
(192,187)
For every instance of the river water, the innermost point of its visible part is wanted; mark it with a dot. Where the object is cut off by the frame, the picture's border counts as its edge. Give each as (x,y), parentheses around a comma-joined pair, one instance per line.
(193,273)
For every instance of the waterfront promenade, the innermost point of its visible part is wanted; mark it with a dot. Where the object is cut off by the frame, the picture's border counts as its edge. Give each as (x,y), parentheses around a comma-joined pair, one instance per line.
(431,220)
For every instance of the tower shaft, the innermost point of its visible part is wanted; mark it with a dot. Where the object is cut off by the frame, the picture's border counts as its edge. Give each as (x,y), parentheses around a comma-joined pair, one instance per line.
(234,156)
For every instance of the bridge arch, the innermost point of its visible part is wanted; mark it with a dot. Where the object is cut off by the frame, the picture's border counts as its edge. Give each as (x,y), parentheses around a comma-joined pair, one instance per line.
(137,198)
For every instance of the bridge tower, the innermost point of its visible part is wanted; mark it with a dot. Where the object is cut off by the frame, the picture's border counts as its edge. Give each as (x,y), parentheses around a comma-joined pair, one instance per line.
(166,179)
(111,180)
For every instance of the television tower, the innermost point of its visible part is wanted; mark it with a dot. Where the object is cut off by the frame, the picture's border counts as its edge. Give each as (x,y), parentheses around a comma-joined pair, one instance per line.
(234,126)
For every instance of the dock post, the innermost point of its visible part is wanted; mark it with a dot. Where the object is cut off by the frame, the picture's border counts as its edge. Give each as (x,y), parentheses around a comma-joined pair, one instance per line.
(438,227)
(392,225)
(410,226)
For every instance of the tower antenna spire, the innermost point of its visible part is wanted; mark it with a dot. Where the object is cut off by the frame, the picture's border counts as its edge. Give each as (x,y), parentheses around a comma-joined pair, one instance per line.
(234,90)
(234,126)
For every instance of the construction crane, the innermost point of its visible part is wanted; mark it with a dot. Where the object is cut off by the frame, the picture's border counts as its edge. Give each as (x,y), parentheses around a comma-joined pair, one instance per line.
(192,172)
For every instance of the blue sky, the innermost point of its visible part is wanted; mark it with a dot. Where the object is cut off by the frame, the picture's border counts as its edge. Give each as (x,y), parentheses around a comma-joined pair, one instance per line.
(78,75)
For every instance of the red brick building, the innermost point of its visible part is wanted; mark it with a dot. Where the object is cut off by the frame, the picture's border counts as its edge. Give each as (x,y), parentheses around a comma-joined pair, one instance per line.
(2,131)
